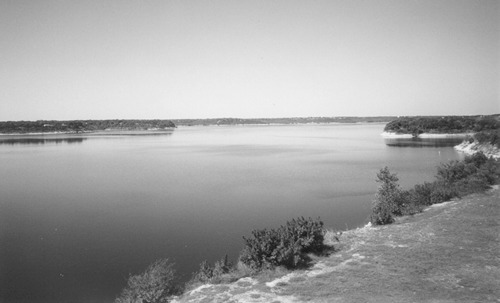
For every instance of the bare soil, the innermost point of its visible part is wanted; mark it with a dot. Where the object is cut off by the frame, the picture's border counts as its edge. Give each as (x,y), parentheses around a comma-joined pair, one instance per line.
(448,253)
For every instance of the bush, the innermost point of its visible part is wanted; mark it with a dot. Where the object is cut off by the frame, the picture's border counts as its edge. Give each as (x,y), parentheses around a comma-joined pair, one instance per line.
(476,159)
(455,170)
(474,174)
(286,246)
(442,192)
(473,184)
(156,284)
(488,137)
(209,274)
(421,193)
(490,171)
(409,203)
(454,179)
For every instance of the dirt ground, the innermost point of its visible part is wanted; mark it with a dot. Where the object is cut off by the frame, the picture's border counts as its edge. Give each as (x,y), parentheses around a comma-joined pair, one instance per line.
(448,253)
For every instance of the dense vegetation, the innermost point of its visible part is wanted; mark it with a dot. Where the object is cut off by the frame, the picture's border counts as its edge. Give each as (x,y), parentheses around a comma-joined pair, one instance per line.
(484,137)
(474,174)
(297,120)
(287,246)
(446,124)
(156,284)
(78,126)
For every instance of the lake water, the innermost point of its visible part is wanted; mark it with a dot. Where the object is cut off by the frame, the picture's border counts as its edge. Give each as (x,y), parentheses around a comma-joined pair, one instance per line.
(78,213)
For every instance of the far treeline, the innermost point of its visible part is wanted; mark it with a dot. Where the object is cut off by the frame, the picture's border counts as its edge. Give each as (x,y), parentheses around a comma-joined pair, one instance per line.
(295,120)
(443,124)
(80,126)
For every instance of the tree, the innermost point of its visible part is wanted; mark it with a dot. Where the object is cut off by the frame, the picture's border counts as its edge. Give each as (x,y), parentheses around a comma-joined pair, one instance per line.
(387,198)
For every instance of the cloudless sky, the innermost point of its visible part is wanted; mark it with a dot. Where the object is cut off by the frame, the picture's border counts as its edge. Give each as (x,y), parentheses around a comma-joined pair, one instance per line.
(102,59)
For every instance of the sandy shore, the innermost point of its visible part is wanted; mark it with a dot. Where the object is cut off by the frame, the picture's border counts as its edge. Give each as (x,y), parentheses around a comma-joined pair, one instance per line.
(395,135)
(424,135)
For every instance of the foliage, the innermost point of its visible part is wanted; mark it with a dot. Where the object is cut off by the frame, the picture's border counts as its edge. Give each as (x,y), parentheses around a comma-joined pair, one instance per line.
(489,137)
(451,172)
(209,274)
(294,120)
(286,246)
(77,126)
(454,179)
(155,285)
(387,198)
(446,124)
(442,192)
(422,193)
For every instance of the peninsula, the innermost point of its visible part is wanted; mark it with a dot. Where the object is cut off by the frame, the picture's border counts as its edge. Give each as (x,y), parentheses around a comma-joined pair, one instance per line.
(81,126)
(421,126)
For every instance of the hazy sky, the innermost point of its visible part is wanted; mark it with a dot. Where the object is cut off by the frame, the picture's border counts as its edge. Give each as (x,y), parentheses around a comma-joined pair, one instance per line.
(105,59)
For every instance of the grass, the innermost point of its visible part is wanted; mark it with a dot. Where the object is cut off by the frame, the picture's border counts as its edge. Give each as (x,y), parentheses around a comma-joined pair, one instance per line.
(448,253)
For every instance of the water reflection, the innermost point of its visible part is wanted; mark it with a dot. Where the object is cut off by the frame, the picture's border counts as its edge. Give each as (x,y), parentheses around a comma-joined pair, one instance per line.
(423,142)
(25,141)
(132,133)
(38,140)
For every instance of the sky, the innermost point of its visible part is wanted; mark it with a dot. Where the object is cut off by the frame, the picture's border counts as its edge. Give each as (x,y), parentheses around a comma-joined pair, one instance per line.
(127,59)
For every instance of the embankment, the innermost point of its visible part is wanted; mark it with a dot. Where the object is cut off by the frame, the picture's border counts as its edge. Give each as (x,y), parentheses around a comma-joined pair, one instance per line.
(470,148)
(448,253)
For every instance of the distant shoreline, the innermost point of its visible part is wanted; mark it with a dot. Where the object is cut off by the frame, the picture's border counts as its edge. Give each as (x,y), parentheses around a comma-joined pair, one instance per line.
(191,123)
(98,132)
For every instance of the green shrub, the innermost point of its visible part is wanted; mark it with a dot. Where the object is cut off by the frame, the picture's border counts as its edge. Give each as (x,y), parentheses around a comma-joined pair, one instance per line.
(443,192)
(472,184)
(454,179)
(286,246)
(221,267)
(156,284)
(205,274)
(489,137)
(457,178)
(211,274)
(476,159)
(490,171)
(421,193)
(409,203)
(453,171)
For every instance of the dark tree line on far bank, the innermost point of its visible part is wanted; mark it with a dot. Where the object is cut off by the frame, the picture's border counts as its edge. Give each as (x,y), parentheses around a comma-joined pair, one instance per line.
(79,126)
(443,124)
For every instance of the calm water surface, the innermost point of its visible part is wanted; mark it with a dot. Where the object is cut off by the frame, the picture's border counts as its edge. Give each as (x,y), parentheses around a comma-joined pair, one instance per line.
(79,213)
